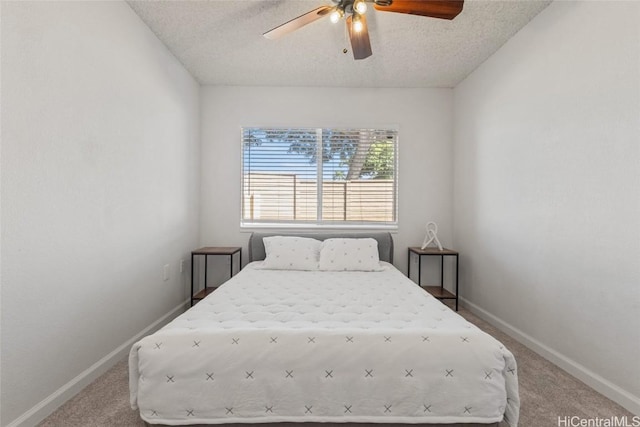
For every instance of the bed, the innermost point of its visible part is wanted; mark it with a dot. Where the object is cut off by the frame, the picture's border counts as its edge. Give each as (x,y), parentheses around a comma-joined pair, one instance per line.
(331,346)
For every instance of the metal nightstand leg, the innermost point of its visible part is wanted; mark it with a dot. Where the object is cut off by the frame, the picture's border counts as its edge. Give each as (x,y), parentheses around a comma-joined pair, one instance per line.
(191,296)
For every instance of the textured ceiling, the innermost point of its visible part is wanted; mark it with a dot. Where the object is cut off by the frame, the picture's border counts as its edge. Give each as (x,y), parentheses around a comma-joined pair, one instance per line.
(220,42)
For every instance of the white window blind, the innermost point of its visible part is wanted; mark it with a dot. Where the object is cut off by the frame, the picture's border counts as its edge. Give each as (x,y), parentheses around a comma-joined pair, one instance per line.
(319,177)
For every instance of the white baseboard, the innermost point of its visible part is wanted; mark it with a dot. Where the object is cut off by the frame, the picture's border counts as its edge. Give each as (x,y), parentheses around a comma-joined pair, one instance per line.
(593,380)
(56,399)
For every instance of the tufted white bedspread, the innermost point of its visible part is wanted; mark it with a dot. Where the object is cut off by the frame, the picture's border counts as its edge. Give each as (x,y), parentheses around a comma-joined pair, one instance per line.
(278,346)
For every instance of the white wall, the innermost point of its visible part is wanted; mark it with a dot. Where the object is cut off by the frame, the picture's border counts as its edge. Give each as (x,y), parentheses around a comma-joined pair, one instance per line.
(423,117)
(547,190)
(100,188)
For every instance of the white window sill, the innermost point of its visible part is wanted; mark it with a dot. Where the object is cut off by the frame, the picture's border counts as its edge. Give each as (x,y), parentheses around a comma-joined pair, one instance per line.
(248,228)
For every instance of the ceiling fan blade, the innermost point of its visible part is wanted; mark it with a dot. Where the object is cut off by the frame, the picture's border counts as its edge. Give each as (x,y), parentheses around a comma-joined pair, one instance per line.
(298,22)
(360,44)
(444,9)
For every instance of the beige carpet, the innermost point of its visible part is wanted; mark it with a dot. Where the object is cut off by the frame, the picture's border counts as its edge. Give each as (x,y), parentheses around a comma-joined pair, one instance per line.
(546,393)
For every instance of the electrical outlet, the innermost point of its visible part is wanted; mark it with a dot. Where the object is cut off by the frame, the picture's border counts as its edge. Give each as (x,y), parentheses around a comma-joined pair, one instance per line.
(182,266)
(165,272)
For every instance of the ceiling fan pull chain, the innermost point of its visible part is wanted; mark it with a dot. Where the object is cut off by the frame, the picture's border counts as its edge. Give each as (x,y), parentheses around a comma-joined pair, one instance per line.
(346,39)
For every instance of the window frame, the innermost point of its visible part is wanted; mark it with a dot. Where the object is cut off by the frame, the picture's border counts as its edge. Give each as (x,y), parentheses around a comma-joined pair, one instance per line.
(319,224)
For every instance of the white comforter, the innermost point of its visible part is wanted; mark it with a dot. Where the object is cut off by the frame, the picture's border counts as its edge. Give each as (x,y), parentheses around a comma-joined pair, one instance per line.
(276,346)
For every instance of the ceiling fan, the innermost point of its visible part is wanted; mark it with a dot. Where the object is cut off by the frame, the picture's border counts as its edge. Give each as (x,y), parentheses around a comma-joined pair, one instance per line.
(353,11)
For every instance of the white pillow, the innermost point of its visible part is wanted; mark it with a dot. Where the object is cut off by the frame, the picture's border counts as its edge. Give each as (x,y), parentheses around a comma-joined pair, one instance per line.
(350,255)
(291,253)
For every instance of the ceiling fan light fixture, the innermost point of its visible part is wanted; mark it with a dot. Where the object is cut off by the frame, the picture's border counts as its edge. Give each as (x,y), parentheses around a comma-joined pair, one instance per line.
(356,24)
(336,15)
(360,6)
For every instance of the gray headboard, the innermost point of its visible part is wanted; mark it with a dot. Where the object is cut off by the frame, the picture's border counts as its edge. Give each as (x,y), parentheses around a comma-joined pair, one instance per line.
(385,242)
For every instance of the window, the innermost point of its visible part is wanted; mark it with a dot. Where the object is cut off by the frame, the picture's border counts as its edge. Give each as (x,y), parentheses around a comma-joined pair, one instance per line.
(319,177)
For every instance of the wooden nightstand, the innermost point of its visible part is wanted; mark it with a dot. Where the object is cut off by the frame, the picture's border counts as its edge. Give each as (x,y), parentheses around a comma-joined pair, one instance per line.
(207,252)
(437,291)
